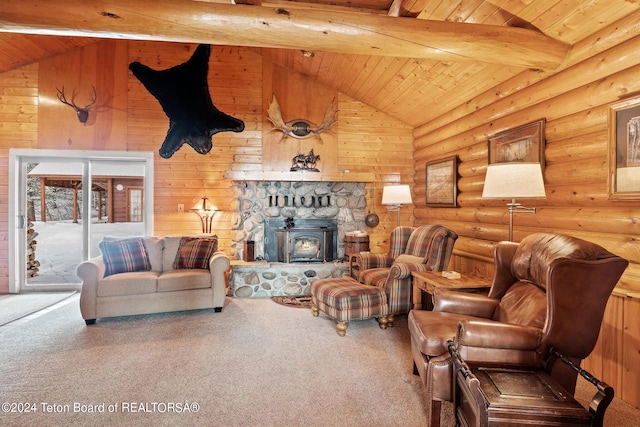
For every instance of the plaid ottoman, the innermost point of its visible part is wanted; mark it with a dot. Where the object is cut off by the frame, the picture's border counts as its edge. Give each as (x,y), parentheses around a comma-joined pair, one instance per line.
(345,299)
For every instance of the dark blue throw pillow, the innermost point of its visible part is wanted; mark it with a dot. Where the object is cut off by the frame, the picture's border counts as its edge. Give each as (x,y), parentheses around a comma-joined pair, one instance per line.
(123,256)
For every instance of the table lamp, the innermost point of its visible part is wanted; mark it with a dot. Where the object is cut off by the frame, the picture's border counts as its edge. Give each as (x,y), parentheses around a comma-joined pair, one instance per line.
(514,181)
(396,196)
(206,212)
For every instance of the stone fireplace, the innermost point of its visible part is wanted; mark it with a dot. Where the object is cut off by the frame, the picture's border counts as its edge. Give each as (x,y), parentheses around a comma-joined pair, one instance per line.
(321,213)
(257,202)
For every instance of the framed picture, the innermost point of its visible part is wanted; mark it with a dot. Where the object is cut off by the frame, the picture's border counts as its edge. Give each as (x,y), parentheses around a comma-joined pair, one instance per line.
(624,150)
(522,144)
(442,183)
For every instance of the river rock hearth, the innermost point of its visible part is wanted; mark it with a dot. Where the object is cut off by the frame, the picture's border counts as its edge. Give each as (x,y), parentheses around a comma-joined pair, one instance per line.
(263,279)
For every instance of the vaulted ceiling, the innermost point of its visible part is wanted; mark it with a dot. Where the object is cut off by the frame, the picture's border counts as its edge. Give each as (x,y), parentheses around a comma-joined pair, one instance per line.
(412,59)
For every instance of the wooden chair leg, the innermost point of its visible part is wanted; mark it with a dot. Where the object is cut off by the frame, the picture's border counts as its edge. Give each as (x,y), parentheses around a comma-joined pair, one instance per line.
(341,327)
(386,321)
(383,322)
(315,310)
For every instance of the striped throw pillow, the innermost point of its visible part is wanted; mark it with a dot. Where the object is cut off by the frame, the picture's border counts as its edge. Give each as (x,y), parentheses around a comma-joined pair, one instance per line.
(124,256)
(194,252)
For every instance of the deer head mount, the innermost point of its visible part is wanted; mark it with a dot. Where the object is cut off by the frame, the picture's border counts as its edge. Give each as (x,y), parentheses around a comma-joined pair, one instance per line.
(82,112)
(300,128)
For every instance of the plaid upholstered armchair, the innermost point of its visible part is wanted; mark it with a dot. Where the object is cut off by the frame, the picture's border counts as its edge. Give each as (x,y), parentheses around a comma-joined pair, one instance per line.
(426,248)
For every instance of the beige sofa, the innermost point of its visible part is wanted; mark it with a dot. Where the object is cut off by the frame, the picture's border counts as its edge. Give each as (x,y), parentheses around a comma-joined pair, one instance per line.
(159,289)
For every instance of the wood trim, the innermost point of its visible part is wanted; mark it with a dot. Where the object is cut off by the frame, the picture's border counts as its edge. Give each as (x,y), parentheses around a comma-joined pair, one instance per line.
(299,176)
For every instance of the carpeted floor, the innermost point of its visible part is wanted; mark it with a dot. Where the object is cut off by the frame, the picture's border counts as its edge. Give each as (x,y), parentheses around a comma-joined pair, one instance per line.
(16,306)
(254,364)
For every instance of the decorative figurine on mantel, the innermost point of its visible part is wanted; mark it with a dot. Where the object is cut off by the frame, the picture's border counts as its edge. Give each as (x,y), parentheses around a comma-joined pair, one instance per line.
(305,162)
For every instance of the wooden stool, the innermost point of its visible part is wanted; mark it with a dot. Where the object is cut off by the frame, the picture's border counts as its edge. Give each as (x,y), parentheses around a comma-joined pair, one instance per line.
(344,299)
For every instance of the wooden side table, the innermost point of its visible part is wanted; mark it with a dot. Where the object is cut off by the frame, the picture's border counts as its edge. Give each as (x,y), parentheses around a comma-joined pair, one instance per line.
(424,282)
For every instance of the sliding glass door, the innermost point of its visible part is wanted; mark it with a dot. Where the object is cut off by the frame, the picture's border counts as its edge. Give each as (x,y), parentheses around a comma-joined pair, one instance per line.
(62,203)
(54,229)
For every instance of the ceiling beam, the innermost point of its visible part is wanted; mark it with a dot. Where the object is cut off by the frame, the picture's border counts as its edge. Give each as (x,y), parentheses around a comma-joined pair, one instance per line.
(247,25)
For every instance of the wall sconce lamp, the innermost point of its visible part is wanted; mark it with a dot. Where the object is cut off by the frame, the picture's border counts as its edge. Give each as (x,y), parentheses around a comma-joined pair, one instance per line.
(396,196)
(511,181)
(205,211)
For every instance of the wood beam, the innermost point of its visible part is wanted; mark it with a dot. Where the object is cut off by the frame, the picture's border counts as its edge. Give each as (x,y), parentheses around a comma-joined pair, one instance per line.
(246,25)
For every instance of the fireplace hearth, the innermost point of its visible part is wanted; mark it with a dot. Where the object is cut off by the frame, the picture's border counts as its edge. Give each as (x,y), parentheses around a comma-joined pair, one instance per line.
(301,240)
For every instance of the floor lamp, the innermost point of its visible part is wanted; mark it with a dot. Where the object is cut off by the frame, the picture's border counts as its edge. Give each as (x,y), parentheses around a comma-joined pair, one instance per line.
(396,196)
(206,212)
(514,181)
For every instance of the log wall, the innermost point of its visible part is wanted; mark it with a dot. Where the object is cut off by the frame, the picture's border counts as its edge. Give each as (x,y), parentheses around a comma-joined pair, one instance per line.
(575,103)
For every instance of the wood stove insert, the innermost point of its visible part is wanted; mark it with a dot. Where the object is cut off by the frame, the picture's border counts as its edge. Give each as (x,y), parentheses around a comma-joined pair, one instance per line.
(301,240)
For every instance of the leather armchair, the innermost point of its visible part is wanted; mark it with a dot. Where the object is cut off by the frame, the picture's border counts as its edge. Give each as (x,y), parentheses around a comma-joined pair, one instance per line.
(549,291)
(425,248)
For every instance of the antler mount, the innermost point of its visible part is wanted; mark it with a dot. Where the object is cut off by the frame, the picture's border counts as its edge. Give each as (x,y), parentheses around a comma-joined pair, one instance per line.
(81,112)
(301,128)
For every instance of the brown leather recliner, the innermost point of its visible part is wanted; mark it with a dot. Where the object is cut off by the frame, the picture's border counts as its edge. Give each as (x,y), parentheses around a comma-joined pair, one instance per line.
(548,291)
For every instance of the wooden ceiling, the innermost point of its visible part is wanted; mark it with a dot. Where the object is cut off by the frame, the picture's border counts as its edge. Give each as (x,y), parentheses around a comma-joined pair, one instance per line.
(456,59)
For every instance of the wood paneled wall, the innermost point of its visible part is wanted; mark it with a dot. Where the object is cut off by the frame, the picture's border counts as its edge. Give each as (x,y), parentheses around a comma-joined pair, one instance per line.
(574,102)
(129,118)
(299,98)
(370,141)
(101,66)
(18,129)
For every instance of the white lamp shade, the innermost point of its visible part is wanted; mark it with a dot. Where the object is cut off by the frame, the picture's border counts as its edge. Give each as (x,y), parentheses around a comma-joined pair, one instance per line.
(396,195)
(513,181)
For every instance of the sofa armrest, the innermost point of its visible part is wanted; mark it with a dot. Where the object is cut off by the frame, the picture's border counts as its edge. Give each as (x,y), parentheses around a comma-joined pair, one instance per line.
(218,265)
(90,272)
(487,341)
(466,303)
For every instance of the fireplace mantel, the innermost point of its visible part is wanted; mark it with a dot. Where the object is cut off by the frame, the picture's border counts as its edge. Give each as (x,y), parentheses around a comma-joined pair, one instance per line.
(299,176)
